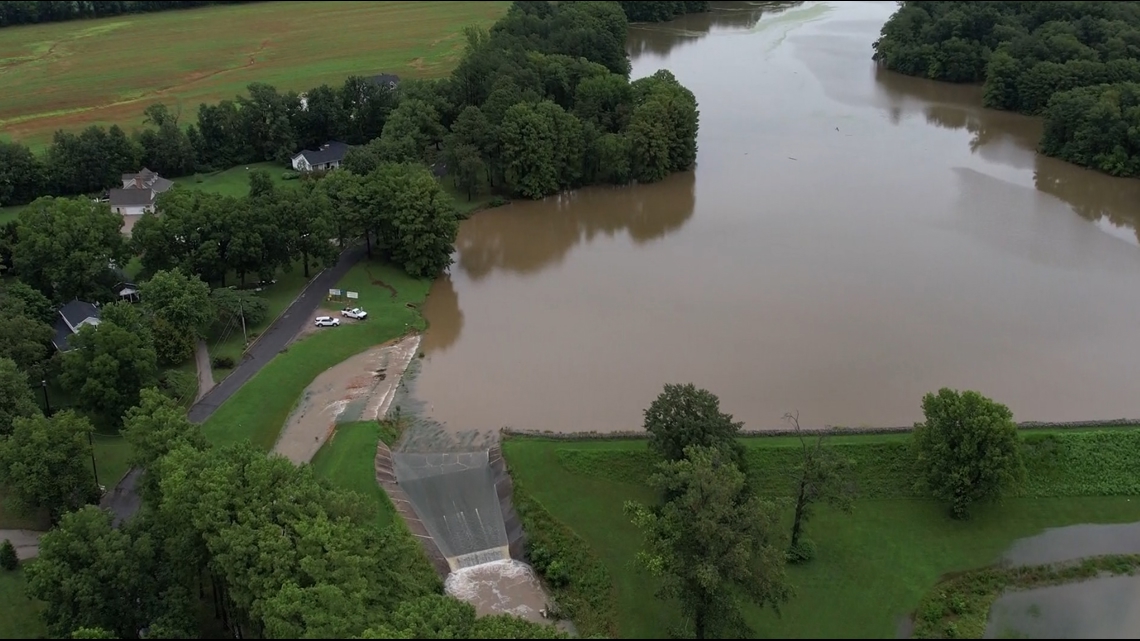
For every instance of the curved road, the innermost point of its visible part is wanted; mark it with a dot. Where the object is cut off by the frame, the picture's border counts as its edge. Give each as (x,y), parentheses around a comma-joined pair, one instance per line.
(123,500)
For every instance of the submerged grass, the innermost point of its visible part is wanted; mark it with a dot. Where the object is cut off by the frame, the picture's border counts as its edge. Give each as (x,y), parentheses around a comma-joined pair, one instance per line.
(873,566)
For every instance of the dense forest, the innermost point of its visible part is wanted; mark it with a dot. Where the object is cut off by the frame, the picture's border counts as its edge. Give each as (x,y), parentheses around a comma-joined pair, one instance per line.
(660,11)
(539,103)
(14,12)
(1074,63)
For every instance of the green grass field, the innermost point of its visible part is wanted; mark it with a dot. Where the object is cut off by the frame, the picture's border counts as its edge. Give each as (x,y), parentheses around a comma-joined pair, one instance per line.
(235,180)
(347,460)
(69,75)
(873,566)
(19,615)
(259,409)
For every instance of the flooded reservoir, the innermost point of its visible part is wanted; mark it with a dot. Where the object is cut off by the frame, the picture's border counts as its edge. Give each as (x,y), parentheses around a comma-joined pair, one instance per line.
(849,240)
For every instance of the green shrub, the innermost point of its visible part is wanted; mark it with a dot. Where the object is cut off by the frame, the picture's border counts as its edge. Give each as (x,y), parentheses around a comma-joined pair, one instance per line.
(497,201)
(578,580)
(223,362)
(802,552)
(290,175)
(8,559)
(180,385)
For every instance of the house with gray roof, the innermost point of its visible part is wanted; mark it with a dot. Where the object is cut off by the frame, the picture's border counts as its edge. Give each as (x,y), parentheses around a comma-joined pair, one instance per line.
(329,156)
(388,80)
(73,316)
(137,196)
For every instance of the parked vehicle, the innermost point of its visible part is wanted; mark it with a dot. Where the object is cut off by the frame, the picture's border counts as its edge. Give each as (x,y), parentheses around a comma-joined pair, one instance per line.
(355,312)
(327,321)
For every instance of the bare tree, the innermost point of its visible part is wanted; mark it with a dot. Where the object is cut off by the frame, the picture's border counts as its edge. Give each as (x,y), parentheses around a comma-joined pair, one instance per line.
(820,475)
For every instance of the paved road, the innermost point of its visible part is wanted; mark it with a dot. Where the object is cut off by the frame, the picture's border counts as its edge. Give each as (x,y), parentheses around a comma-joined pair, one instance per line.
(205,372)
(277,336)
(123,500)
(26,542)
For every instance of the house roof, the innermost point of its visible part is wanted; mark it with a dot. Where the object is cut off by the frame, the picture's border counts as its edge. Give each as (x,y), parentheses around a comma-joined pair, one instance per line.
(131,197)
(332,151)
(71,315)
(386,79)
(78,311)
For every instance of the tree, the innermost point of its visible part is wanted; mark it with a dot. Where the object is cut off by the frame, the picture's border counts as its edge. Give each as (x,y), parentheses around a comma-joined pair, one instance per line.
(444,617)
(968,449)
(529,158)
(44,464)
(821,475)
(8,559)
(18,298)
(65,247)
(684,415)
(22,177)
(91,575)
(95,633)
(180,307)
(153,428)
(306,216)
(410,129)
(25,341)
(415,222)
(712,543)
(166,149)
(467,167)
(16,400)
(106,369)
(231,306)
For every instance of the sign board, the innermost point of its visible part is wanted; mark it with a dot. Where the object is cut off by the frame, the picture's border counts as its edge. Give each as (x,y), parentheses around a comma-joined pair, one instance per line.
(353,295)
(334,292)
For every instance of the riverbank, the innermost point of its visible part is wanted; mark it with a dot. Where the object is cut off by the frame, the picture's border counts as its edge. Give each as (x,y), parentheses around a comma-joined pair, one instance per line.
(873,567)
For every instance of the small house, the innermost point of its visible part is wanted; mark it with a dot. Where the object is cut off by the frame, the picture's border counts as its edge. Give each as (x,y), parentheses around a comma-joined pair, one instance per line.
(137,196)
(329,156)
(386,80)
(73,316)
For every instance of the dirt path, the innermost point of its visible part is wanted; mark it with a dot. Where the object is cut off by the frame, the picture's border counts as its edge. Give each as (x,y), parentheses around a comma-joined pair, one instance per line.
(358,389)
(27,542)
(205,372)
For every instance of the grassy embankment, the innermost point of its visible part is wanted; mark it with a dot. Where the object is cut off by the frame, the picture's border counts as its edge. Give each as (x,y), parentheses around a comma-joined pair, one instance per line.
(69,75)
(873,566)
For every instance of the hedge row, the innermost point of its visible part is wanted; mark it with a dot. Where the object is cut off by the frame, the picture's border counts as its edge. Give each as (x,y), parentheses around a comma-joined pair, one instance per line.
(578,580)
(1093,463)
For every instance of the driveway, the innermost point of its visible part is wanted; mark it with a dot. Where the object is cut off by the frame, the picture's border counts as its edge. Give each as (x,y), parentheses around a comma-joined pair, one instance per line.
(276,336)
(26,542)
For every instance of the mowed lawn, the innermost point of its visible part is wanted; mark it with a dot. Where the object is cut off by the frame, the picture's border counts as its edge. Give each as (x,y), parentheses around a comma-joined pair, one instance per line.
(72,74)
(259,409)
(872,567)
(347,460)
(235,180)
(19,615)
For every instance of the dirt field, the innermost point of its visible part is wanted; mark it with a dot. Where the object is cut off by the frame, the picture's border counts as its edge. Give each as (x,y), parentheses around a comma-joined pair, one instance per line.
(72,74)
(358,389)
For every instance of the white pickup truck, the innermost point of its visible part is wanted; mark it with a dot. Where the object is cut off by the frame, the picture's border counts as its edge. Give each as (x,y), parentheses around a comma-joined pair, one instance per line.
(355,312)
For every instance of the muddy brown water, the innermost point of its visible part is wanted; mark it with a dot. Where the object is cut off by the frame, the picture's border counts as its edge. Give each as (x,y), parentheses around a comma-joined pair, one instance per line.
(849,240)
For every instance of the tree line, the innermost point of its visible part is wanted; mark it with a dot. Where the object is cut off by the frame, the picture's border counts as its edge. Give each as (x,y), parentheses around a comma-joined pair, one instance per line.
(1074,63)
(16,12)
(260,544)
(539,103)
(715,544)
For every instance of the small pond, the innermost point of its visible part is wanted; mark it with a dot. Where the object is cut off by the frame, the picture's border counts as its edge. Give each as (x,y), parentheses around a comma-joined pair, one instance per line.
(1107,607)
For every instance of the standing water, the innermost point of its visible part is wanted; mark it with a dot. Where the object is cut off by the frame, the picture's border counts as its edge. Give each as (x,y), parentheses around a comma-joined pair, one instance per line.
(849,240)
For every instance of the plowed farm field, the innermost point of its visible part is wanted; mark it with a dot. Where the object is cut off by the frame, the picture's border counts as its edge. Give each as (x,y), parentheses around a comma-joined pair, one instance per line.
(70,75)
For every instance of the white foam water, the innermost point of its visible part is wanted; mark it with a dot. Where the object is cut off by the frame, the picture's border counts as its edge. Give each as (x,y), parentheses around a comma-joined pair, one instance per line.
(499,587)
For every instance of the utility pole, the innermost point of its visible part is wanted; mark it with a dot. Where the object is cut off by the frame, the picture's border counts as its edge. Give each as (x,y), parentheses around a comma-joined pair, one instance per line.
(47,404)
(94,469)
(241,310)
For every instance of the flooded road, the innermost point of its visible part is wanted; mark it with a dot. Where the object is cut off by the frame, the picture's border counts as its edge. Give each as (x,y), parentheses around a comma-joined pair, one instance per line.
(849,240)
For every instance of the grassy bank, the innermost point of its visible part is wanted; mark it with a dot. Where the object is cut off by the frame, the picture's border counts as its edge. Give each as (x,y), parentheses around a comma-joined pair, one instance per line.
(70,75)
(874,565)
(959,608)
(259,409)
(347,460)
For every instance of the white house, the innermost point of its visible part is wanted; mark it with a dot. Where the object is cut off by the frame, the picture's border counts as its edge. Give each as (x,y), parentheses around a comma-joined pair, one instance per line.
(73,316)
(329,156)
(137,196)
